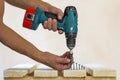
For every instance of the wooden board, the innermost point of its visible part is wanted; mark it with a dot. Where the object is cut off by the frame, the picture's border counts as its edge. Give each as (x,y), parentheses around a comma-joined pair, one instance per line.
(59,78)
(47,78)
(100,71)
(100,78)
(20,70)
(45,71)
(76,71)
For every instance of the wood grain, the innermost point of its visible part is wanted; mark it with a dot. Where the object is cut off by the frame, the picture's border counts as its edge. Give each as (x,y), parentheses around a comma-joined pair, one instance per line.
(20,70)
(100,71)
(74,73)
(46,71)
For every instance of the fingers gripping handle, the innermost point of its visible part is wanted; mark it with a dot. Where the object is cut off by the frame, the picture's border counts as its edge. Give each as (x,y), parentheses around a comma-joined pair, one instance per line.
(33,17)
(54,16)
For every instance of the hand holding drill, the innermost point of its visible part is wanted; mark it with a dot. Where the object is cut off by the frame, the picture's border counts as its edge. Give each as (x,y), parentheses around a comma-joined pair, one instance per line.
(33,17)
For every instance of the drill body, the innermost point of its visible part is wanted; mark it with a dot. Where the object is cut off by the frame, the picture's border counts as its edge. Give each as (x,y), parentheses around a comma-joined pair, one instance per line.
(33,17)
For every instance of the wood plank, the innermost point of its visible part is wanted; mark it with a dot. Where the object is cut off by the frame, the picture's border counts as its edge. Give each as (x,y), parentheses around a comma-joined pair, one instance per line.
(100,71)
(45,71)
(76,71)
(44,78)
(59,78)
(99,78)
(20,70)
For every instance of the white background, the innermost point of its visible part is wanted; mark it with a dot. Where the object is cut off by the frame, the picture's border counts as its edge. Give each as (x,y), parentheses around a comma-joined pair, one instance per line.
(98,39)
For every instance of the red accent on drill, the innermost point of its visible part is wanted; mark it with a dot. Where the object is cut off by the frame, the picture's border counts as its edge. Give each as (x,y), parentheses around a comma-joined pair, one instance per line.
(27,23)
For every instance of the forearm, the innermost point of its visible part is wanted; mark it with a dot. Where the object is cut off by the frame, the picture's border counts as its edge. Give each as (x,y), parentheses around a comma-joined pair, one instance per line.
(28,3)
(11,39)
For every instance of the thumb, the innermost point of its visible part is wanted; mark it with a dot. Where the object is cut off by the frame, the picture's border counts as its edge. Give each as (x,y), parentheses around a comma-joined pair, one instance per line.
(63,60)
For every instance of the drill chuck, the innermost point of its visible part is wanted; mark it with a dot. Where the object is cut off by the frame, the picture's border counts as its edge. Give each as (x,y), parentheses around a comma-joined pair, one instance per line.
(71,40)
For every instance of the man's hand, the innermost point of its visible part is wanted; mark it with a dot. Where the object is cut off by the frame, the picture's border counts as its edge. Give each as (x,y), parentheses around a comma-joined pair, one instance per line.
(51,24)
(57,62)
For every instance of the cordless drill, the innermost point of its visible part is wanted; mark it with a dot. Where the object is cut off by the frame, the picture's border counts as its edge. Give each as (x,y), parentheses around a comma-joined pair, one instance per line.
(33,17)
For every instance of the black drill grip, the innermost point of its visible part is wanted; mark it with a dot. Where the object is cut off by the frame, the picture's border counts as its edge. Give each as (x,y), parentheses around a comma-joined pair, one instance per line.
(52,15)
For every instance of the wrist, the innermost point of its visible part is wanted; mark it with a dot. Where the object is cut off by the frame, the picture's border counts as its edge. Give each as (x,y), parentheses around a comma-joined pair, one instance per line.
(43,5)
